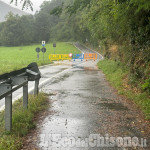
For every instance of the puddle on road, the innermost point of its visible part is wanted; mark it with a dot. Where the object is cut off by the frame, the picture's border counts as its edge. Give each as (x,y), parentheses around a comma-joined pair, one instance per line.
(105,100)
(113,106)
(50,94)
(56,63)
(48,74)
(60,79)
(130,131)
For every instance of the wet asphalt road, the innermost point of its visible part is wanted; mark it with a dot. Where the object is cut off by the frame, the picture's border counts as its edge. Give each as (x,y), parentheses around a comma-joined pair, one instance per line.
(85,104)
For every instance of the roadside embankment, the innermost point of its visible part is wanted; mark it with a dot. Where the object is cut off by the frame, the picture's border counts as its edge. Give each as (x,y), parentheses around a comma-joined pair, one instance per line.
(116,75)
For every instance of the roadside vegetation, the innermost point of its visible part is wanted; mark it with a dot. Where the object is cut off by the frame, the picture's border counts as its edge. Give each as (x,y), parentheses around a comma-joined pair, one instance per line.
(13,58)
(22,121)
(117,75)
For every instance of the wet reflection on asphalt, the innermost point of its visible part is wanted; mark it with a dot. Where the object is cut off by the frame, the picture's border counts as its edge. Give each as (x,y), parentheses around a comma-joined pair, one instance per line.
(82,104)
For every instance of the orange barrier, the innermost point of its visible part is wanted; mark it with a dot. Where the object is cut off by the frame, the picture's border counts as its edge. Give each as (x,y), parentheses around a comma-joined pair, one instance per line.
(92,56)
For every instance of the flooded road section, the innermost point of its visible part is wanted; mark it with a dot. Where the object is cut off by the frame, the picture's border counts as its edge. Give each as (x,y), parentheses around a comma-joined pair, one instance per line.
(89,115)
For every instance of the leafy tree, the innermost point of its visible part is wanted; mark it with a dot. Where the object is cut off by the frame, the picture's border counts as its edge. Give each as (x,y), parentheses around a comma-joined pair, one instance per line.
(10,34)
(17,30)
(26,3)
(27,24)
(44,22)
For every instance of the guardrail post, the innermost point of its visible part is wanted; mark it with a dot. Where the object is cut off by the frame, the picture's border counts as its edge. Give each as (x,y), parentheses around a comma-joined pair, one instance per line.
(8,112)
(25,96)
(36,87)
(20,80)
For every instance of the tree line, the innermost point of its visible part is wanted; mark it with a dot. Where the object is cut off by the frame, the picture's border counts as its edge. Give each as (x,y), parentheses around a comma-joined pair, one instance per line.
(28,29)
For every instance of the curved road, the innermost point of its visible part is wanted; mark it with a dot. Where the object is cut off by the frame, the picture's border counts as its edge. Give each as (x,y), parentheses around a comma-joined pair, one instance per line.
(86,113)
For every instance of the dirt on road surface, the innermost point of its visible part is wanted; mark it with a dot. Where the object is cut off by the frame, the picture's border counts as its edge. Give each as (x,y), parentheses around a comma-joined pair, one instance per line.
(86,113)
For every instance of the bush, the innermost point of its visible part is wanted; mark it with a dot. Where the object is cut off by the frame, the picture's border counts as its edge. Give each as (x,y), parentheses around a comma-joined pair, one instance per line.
(146,86)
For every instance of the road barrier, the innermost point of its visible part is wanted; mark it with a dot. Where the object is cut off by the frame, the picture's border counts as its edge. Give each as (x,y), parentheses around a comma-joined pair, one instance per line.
(10,82)
(65,57)
(54,57)
(78,56)
(86,56)
(91,56)
(59,57)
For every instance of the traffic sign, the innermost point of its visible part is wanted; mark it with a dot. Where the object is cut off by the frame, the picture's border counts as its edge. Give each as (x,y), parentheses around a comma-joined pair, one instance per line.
(54,45)
(43,43)
(38,50)
(43,49)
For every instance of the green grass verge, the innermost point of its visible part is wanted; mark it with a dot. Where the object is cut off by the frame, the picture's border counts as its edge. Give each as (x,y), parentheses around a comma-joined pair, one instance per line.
(14,58)
(115,74)
(22,121)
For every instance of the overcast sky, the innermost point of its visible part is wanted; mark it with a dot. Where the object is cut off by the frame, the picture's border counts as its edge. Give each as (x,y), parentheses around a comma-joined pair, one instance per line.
(36,5)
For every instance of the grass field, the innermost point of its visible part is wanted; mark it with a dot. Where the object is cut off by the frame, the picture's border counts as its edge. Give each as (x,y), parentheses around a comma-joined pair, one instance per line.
(13,58)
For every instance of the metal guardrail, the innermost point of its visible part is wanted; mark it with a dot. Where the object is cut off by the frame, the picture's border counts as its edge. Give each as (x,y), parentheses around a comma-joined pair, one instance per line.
(10,82)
